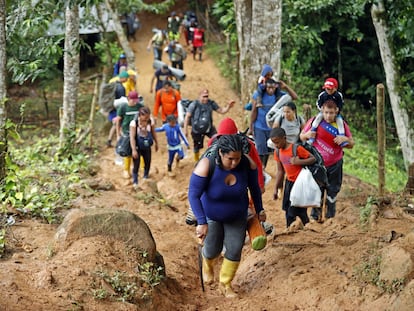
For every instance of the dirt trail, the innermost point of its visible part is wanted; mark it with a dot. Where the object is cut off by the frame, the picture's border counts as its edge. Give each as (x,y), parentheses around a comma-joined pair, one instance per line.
(311,269)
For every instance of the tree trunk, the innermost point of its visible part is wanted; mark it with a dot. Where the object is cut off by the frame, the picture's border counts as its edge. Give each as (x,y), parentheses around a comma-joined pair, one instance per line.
(70,73)
(259,31)
(404,127)
(3,90)
(122,38)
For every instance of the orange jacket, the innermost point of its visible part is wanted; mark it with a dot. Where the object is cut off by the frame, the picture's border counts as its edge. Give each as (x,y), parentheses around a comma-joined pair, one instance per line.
(168,102)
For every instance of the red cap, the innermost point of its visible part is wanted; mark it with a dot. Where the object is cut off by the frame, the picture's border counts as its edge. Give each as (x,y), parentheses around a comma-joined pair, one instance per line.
(227,126)
(330,83)
(133,95)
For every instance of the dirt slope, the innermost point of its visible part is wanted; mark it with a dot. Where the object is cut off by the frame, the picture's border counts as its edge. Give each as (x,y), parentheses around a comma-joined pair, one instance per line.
(311,269)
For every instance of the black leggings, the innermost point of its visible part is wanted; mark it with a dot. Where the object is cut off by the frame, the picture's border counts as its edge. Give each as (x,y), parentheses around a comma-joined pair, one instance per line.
(146,155)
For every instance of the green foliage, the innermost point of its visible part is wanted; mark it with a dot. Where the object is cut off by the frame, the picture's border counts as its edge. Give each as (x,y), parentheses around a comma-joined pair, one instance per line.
(31,53)
(366,210)
(150,273)
(227,63)
(124,286)
(127,287)
(127,6)
(368,272)
(114,49)
(38,183)
(223,10)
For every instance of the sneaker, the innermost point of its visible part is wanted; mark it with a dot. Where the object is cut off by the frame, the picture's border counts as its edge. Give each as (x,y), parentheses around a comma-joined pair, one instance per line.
(126,175)
(109,143)
(267,227)
(135,186)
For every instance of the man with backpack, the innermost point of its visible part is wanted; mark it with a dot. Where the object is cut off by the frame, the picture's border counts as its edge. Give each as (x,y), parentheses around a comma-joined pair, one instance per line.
(200,116)
(330,145)
(160,75)
(176,54)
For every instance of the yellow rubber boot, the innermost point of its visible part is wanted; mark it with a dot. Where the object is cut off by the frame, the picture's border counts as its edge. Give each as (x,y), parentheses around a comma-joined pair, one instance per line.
(227,272)
(127,167)
(196,156)
(208,270)
(141,163)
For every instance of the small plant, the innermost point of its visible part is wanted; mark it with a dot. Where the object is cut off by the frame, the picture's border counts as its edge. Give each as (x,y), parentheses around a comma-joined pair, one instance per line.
(122,284)
(99,293)
(50,251)
(150,273)
(366,210)
(368,272)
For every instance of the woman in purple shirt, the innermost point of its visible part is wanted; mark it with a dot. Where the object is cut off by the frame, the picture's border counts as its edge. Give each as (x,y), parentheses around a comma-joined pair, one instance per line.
(220,202)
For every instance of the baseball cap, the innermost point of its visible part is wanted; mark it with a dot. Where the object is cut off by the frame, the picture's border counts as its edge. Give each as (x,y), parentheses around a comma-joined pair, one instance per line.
(124,74)
(165,66)
(122,55)
(330,83)
(133,95)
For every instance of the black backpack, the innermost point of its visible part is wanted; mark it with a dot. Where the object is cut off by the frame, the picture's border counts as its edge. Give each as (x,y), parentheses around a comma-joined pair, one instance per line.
(318,168)
(201,120)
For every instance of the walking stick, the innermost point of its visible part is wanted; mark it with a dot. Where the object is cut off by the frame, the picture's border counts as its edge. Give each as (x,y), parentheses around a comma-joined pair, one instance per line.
(200,262)
(323,216)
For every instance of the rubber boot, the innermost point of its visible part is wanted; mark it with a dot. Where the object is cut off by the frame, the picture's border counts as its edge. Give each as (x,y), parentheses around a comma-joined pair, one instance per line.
(196,156)
(208,270)
(227,272)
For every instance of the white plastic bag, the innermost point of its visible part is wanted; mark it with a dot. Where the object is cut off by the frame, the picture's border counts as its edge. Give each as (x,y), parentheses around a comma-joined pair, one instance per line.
(305,191)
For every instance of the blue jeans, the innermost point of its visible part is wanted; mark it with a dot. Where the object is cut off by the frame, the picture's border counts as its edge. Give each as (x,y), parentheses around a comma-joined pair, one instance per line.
(157,53)
(229,234)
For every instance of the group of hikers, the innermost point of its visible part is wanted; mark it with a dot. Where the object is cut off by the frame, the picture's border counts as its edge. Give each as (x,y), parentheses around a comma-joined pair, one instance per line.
(220,199)
(167,40)
(230,175)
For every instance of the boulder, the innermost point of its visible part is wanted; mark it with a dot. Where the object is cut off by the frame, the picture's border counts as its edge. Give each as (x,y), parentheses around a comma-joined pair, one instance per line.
(116,224)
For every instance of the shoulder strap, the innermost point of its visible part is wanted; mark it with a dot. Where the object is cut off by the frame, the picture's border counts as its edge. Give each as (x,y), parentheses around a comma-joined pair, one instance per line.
(294,149)
(211,167)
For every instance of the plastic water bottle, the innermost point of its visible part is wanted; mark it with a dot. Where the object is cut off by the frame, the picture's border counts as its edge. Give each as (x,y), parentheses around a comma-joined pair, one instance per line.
(118,159)
(184,149)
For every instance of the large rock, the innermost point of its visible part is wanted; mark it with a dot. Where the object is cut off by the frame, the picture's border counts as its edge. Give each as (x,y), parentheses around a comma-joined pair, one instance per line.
(116,224)
(396,263)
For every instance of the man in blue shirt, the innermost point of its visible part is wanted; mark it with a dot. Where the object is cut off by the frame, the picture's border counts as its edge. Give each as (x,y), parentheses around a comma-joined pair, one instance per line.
(258,125)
